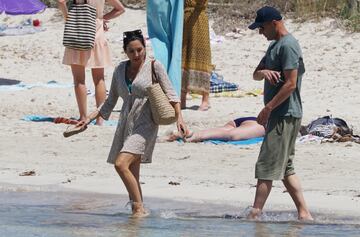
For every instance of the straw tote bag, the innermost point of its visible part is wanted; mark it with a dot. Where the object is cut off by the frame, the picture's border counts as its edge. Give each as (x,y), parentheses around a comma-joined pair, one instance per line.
(80,27)
(162,111)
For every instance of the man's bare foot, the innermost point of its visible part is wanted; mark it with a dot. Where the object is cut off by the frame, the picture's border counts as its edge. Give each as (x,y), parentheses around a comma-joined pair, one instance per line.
(305,217)
(254,214)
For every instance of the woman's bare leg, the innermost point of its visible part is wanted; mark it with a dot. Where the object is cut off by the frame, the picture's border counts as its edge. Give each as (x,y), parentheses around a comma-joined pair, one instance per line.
(122,166)
(100,89)
(135,170)
(78,72)
(229,132)
(205,104)
(183,99)
(212,133)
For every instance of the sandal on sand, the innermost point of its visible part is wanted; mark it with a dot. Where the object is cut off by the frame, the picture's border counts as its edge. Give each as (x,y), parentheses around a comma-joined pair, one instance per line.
(72,130)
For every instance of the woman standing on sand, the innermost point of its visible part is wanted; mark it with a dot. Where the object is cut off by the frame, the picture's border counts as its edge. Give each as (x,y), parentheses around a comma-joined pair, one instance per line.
(136,131)
(96,58)
(196,52)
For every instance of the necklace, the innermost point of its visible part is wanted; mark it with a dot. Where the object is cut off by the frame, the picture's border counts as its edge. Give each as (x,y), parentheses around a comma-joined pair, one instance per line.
(132,72)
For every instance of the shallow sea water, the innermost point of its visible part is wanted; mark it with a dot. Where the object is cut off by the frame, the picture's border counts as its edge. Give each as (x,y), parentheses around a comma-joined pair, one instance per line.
(87,214)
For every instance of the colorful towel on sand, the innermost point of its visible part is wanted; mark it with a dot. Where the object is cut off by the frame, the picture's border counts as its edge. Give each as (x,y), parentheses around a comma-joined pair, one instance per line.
(242,142)
(165,29)
(217,84)
(40,118)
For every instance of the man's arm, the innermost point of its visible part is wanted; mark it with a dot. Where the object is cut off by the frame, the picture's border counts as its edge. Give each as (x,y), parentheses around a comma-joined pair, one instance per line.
(262,73)
(284,93)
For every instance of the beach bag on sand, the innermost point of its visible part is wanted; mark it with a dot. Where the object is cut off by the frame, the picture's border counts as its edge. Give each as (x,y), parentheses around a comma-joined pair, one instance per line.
(163,112)
(80,27)
(327,126)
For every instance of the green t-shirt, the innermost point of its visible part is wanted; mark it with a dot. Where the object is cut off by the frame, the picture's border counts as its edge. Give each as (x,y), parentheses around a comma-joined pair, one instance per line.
(284,54)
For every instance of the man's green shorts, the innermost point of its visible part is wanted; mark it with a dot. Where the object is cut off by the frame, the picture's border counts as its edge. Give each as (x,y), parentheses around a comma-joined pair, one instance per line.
(278,149)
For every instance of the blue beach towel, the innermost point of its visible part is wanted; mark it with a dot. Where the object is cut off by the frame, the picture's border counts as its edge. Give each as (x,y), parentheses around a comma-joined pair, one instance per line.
(217,84)
(242,142)
(165,29)
(41,118)
(38,118)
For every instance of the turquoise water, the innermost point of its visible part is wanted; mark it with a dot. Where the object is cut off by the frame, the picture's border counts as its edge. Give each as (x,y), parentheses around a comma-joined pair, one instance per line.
(87,214)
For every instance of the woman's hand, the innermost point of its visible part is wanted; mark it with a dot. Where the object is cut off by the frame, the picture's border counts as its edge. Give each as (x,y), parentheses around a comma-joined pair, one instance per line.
(181,126)
(83,123)
(105,26)
(63,8)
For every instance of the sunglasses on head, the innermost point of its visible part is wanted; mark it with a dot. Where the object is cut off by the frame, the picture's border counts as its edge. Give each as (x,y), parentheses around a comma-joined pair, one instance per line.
(134,33)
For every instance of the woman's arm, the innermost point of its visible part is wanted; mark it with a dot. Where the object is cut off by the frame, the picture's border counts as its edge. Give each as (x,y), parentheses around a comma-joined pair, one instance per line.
(117,10)
(63,8)
(167,87)
(180,124)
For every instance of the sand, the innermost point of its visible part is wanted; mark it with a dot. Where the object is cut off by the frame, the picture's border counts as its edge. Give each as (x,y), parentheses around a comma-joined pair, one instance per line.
(222,174)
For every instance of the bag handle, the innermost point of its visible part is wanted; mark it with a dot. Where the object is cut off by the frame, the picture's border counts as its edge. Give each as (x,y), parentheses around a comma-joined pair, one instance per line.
(153,74)
(85,2)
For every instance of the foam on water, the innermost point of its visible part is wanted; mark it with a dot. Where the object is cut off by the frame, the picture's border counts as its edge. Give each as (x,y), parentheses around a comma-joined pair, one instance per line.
(87,214)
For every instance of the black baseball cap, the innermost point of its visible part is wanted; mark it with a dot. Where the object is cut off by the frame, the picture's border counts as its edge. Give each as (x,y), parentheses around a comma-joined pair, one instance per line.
(265,14)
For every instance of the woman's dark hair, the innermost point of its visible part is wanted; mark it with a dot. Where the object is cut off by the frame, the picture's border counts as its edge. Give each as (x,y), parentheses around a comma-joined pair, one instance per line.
(129,36)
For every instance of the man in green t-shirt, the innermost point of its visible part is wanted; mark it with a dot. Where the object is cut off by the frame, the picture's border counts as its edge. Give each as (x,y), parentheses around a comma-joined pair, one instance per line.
(281,69)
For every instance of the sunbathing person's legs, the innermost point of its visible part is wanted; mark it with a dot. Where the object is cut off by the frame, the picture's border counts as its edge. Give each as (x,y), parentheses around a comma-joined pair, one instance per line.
(212,133)
(248,129)
(229,132)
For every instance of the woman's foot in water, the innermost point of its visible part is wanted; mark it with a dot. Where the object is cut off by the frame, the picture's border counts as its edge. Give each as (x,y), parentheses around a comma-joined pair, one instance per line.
(138,210)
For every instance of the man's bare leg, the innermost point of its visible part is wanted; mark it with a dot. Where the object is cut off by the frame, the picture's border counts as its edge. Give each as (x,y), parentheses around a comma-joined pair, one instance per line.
(292,184)
(263,189)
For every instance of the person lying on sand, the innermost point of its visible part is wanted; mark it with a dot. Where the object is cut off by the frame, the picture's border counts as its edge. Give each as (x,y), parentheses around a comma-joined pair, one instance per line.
(239,129)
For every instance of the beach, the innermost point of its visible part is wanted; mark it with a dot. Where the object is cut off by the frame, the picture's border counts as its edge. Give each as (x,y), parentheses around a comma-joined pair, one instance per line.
(205,173)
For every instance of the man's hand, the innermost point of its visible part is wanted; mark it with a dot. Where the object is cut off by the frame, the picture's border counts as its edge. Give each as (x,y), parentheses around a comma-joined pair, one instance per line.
(263,116)
(273,77)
